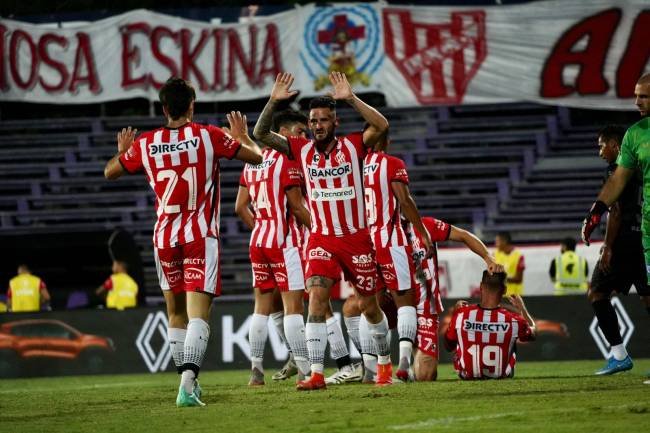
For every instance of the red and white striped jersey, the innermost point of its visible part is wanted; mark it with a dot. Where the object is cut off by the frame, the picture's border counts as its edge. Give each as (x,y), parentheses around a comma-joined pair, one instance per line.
(484,341)
(334,184)
(182,167)
(275,226)
(382,207)
(428,284)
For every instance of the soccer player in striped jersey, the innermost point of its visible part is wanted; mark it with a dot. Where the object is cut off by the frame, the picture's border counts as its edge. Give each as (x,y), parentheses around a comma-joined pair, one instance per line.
(387,196)
(274,188)
(427,294)
(339,240)
(181,163)
(484,336)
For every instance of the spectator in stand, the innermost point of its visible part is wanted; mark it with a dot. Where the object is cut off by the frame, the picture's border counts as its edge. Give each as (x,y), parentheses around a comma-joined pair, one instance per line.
(27,292)
(120,290)
(513,261)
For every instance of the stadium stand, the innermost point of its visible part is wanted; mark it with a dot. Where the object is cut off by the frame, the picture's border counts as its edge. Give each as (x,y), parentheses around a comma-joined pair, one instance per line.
(518,167)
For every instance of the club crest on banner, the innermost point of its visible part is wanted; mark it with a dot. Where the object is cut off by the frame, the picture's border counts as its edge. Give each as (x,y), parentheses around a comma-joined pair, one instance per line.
(343,39)
(438,60)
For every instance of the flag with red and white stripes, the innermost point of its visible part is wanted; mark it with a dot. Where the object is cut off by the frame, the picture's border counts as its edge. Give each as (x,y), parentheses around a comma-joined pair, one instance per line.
(275,226)
(485,341)
(182,167)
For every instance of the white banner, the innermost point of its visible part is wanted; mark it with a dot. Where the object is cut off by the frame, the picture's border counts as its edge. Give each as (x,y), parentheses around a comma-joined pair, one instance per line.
(461,270)
(569,52)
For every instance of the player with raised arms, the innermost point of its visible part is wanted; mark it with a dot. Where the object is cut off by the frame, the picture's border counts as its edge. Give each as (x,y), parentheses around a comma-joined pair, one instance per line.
(339,240)
(181,164)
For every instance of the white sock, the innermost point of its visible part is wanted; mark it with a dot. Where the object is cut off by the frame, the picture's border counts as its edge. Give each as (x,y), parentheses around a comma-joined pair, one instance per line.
(257,335)
(196,343)
(278,321)
(370,363)
(338,349)
(352,326)
(294,329)
(619,352)
(368,349)
(316,335)
(176,338)
(407,323)
(379,332)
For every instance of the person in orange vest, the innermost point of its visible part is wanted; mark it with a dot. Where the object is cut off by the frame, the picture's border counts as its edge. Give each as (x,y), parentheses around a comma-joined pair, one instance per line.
(27,292)
(120,289)
(513,261)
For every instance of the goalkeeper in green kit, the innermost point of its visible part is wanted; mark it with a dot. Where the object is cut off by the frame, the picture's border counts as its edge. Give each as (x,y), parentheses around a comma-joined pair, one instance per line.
(634,155)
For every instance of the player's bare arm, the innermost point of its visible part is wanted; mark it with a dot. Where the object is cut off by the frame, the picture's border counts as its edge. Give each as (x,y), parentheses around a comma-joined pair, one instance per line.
(519,305)
(281,91)
(410,211)
(249,151)
(477,246)
(242,209)
(378,123)
(114,169)
(613,225)
(295,201)
(610,192)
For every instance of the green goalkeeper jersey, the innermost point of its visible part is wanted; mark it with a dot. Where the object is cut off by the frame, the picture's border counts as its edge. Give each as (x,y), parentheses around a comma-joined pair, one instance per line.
(635,154)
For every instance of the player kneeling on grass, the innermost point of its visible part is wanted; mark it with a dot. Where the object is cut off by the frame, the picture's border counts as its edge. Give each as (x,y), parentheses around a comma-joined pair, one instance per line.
(483,336)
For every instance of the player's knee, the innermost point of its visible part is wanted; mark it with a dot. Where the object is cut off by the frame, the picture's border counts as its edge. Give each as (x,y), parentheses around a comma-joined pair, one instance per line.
(351,307)
(293,303)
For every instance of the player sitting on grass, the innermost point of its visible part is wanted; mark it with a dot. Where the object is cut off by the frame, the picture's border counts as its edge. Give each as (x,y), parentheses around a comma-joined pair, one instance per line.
(484,336)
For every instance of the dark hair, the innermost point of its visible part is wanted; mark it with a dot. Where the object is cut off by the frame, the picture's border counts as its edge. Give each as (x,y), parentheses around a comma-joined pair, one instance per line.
(569,243)
(496,281)
(288,118)
(506,236)
(323,102)
(176,95)
(612,132)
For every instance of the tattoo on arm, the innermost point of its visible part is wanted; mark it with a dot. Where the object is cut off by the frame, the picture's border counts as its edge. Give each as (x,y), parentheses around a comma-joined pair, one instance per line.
(262,130)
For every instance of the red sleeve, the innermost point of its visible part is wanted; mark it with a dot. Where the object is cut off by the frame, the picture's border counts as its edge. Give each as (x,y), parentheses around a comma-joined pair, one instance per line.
(290,175)
(522,264)
(397,171)
(356,138)
(242,178)
(223,144)
(131,160)
(295,145)
(108,284)
(438,229)
(9,293)
(525,333)
(41,285)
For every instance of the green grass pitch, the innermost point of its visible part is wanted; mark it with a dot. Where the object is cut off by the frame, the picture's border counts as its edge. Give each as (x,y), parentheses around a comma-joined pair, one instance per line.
(544,397)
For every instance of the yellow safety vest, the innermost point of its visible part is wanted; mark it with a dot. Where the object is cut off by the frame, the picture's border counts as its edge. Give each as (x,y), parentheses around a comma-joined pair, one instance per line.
(570,270)
(25,293)
(510,262)
(124,292)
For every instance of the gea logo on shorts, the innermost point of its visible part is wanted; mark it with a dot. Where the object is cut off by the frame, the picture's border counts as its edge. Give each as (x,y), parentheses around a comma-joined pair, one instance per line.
(193,274)
(362,259)
(319,253)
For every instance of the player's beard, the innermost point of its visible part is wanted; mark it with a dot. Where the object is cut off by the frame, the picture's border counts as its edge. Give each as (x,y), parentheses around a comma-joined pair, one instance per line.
(322,145)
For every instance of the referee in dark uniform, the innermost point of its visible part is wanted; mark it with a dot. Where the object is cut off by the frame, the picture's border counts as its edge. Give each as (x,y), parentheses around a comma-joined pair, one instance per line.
(621,263)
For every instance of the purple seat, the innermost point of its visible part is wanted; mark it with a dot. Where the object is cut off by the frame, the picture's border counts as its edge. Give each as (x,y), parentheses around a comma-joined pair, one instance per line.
(77,299)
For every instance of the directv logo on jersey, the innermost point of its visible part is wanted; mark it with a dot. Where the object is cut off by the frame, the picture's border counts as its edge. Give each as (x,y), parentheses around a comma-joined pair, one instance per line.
(167,148)
(324,173)
(485,326)
(370,169)
(263,165)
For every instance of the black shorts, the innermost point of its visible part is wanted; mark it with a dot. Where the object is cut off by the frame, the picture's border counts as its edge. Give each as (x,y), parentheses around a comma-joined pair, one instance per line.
(627,269)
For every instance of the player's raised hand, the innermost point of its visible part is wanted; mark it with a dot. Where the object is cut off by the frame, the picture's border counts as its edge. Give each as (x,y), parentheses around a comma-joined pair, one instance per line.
(592,220)
(460,304)
(342,88)
(493,267)
(517,302)
(238,124)
(282,88)
(125,139)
